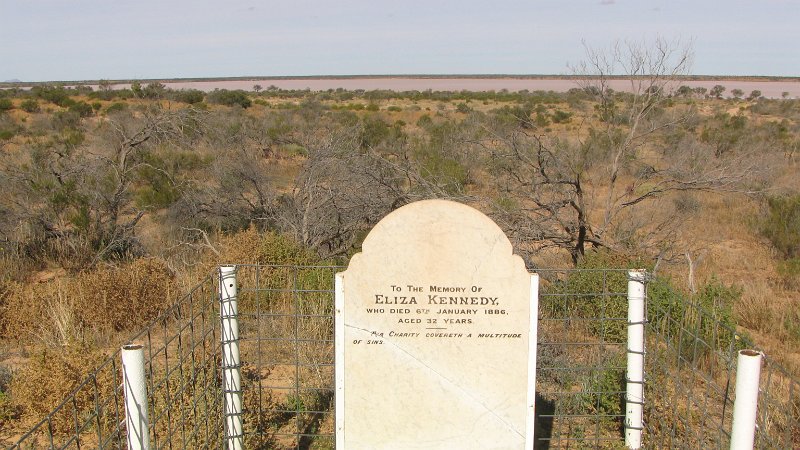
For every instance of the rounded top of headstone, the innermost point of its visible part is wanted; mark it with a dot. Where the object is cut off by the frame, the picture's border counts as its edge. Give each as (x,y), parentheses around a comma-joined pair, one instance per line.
(435,233)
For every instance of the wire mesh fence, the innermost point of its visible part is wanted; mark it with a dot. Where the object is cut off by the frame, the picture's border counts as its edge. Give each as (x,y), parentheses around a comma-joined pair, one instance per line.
(287,370)
(182,369)
(692,369)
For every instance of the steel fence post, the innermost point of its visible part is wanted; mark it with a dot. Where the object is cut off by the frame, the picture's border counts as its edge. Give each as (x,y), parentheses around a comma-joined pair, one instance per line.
(231,363)
(634,392)
(135,388)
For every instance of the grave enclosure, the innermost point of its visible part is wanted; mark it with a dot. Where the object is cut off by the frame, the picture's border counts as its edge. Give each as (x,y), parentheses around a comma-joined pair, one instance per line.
(429,339)
(435,335)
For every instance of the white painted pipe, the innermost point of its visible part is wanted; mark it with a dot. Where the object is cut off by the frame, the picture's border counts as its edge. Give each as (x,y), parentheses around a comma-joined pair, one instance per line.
(748,372)
(231,363)
(533,339)
(339,330)
(134,385)
(634,389)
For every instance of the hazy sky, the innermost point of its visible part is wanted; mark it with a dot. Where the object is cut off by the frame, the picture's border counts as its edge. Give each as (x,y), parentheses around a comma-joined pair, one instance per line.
(96,39)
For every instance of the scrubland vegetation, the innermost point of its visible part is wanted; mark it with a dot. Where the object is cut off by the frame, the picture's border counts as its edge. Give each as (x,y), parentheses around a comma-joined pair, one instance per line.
(115,201)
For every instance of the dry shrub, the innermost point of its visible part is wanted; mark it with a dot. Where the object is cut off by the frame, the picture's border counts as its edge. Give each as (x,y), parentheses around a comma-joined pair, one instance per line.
(27,311)
(251,247)
(127,297)
(109,299)
(757,309)
(50,376)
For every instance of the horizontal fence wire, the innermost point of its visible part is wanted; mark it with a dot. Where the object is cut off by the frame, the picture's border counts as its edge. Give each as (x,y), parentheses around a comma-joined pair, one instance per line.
(286,319)
(181,350)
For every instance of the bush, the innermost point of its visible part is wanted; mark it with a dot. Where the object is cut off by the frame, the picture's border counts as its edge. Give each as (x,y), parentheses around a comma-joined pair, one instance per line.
(30,105)
(789,271)
(792,323)
(600,294)
(83,109)
(252,247)
(782,225)
(604,393)
(109,299)
(190,96)
(6,104)
(698,324)
(49,377)
(53,94)
(230,98)
(560,116)
(116,107)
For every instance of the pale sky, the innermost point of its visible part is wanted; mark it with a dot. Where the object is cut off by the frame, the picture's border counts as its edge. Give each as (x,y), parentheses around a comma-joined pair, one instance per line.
(45,40)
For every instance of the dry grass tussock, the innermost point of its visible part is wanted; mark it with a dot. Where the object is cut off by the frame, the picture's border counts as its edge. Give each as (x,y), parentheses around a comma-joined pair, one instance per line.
(110,299)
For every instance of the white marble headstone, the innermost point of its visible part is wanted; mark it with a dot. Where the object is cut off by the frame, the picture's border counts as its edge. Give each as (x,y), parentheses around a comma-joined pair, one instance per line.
(435,335)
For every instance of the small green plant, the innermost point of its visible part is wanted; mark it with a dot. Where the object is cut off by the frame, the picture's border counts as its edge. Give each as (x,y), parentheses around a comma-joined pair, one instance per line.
(782,224)
(792,323)
(789,271)
(604,392)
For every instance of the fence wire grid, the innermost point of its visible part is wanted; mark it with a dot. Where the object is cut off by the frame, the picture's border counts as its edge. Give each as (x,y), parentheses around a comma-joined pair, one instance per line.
(286,328)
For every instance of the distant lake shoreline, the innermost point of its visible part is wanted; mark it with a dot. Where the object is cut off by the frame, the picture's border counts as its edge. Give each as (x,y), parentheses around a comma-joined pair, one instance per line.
(770,87)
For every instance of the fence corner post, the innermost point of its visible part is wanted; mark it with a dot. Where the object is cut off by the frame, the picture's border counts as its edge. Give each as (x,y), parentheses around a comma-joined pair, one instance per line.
(134,385)
(748,373)
(231,363)
(634,389)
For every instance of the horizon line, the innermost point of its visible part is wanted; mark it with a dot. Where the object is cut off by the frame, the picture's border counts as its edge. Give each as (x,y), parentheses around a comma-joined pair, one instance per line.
(693,77)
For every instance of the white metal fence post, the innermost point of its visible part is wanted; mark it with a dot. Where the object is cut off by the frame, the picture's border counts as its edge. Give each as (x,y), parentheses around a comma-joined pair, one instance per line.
(135,388)
(634,392)
(748,372)
(231,376)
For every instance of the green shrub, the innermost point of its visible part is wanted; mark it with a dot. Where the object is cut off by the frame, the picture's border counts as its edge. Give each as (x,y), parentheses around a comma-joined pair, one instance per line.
(30,105)
(190,96)
(53,94)
(789,271)
(598,294)
(83,109)
(792,323)
(695,325)
(6,104)
(230,98)
(560,116)
(782,224)
(604,393)
(116,107)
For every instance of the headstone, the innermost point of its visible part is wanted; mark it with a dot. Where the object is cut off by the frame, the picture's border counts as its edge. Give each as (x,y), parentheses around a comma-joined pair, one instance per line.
(435,335)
